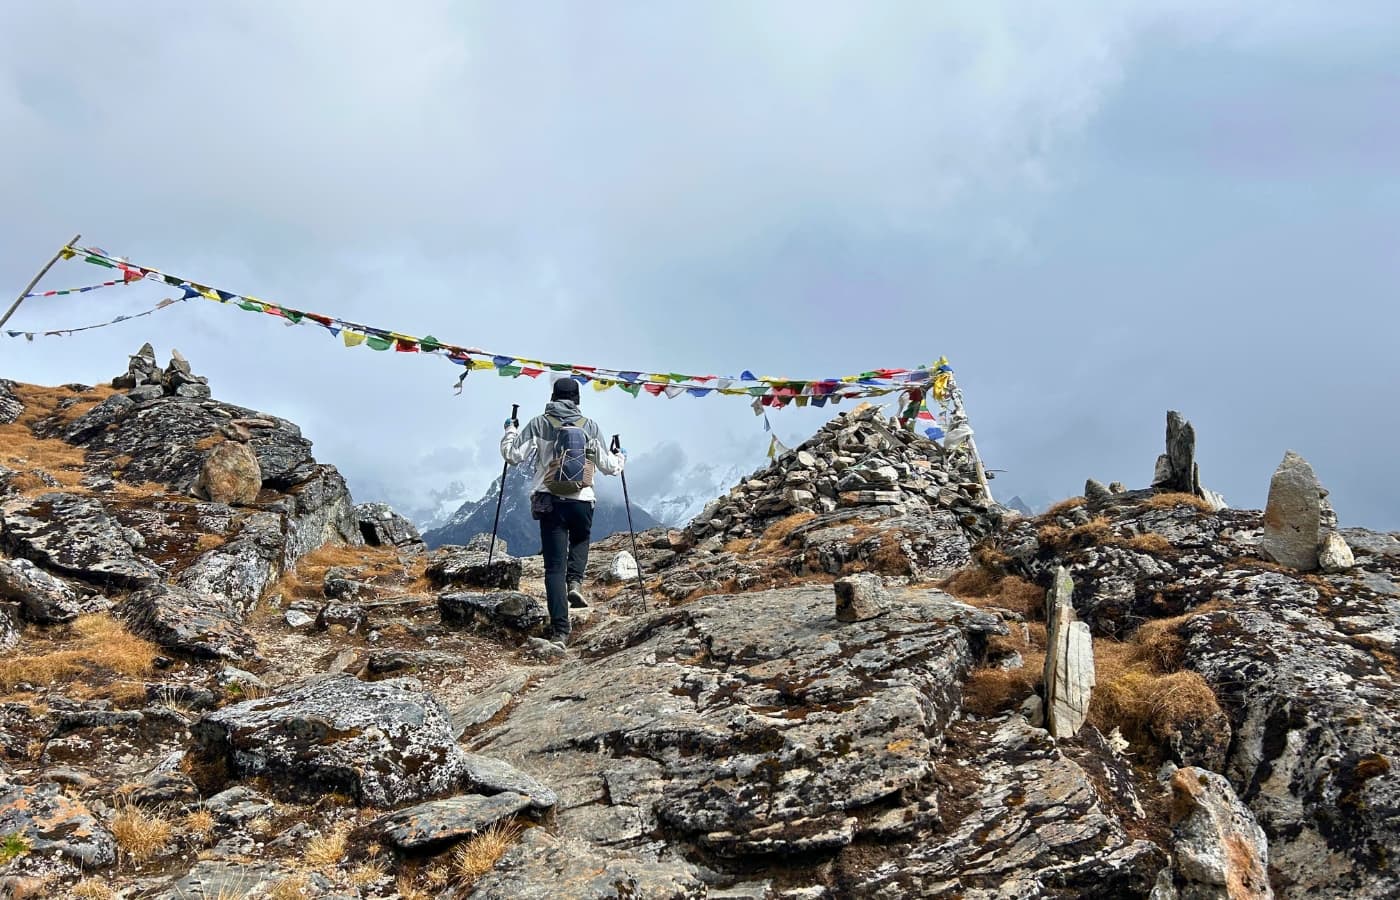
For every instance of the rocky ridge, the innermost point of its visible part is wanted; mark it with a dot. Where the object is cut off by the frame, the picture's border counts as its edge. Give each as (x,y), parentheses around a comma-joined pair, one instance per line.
(836,686)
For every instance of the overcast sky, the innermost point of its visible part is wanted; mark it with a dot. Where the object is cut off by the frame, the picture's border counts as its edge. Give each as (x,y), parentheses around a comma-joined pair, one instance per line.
(1096,211)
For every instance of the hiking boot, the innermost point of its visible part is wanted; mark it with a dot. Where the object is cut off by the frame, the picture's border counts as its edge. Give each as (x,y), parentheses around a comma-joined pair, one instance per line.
(576,599)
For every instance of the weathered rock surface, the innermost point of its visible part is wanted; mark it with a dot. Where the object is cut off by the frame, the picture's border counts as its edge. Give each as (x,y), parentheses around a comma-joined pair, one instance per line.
(502,612)
(219,880)
(493,776)
(622,568)
(542,867)
(382,527)
(42,597)
(1334,556)
(11,407)
(74,535)
(56,823)
(436,823)
(751,724)
(202,625)
(242,567)
(1293,517)
(459,567)
(860,597)
(382,743)
(1069,661)
(1220,850)
(230,474)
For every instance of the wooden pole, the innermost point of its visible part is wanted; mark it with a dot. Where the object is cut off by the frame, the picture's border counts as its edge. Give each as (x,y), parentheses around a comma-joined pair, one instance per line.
(37,278)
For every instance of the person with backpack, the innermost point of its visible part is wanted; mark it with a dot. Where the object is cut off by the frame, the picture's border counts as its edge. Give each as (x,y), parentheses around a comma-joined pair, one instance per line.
(568,449)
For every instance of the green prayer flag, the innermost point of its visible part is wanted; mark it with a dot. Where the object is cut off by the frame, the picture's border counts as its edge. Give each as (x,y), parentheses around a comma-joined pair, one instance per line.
(559,367)
(292,315)
(99,262)
(509,371)
(429,344)
(251,306)
(632,389)
(378,343)
(758,391)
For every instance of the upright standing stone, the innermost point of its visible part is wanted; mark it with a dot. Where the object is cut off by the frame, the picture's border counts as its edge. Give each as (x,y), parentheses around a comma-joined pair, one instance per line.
(1293,516)
(231,475)
(1069,661)
(1176,469)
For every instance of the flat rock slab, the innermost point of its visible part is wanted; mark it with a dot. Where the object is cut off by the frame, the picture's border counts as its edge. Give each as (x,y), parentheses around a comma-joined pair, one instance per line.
(490,776)
(212,880)
(767,724)
(503,611)
(43,598)
(55,823)
(450,567)
(542,867)
(436,823)
(204,626)
(384,743)
(74,535)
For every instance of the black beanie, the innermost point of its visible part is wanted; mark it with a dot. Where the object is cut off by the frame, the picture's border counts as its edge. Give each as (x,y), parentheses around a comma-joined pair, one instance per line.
(565,389)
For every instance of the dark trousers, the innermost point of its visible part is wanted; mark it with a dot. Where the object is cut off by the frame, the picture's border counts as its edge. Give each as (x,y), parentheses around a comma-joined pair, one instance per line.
(564,534)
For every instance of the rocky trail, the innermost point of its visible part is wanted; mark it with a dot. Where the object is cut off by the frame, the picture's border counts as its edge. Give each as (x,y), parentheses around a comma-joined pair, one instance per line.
(852,677)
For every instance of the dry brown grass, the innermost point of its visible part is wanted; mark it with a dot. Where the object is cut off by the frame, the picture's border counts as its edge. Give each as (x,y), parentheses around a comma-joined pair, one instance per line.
(476,855)
(979,587)
(293,887)
(141,834)
(1172,500)
(1151,542)
(1097,530)
(367,873)
(23,452)
(776,534)
(92,889)
(991,690)
(407,890)
(326,850)
(307,578)
(90,646)
(199,824)
(1065,506)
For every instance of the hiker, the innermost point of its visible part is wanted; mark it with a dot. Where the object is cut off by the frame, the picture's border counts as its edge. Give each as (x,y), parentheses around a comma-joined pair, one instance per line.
(567,448)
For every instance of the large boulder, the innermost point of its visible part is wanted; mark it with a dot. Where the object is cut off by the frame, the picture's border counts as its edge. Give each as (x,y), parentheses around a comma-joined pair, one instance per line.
(74,535)
(42,598)
(1220,850)
(242,567)
(1293,517)
(502,612)
(55,823)
(201,625)
(230,475)
(381,526)
(462,567)
(750,724)
(382,743)
(438,823)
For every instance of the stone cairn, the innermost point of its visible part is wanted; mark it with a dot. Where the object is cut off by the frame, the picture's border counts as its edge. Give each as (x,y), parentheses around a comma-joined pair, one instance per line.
(145,380)
(858,459)
(1299,522)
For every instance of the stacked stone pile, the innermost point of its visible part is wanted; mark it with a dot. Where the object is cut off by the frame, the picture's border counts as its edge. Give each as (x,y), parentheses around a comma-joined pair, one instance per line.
(860,459)
(145,380)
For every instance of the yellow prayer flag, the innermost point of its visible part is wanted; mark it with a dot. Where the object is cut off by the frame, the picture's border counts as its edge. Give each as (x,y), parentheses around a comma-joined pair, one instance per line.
(483,364)
(352,338)
(600,384)
(209,294)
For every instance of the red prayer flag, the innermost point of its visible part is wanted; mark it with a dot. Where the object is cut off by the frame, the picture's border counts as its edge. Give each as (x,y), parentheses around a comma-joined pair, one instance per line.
(654,389)
(402,346)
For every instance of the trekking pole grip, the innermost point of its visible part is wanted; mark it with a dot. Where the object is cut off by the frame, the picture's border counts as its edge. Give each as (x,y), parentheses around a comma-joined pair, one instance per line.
(616,443)
(515,414)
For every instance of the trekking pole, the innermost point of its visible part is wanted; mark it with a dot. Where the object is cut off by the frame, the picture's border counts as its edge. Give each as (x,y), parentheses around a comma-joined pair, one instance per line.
(627,502)
(495,526)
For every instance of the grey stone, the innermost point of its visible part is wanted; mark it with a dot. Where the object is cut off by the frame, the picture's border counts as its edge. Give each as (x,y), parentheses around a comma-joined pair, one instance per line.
(74,535)
(547,650)
(230,474)
(55,823)
(458,567)
(1292,519)
(43,598)
(1095,494)
(439,822)
(383,527)
(101,417)
(509,612)
(205,626)
(297,619)
(145,393)
(1334,555)
(860,597)
(238,805)
(243,567)
(1220,851)
(493,776)
(1069,661)
(352,618)
(542,867)
(1176,469)
(342,583)
(217,880)
(484,705)
(623,568)
(382,742)
(10,405)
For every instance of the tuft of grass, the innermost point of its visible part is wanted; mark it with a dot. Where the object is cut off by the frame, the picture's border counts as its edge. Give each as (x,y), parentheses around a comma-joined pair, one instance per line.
(775,535)
(13,846)
(1065,506)
(980,587)
(476,855)
(293,887)
(1139,689)
(1172,500)
(326,850)
(407,890)
(1151,542)
(1096,531)
(437,877)
(140,834)
(90,645)
(367,873)
(200,824)
(889,557)
(92,889)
